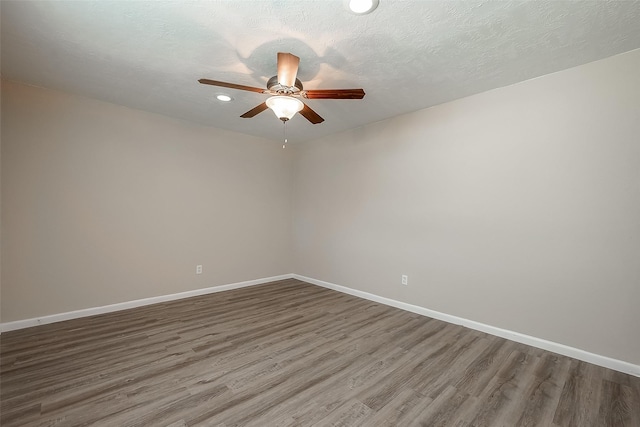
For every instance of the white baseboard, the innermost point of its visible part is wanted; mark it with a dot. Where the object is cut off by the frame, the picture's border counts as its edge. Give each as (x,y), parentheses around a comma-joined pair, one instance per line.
(27,323)
(596,359)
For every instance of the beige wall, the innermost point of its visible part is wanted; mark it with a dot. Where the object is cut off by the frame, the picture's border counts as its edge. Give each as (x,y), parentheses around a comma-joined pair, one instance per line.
(104,204)
(518,208)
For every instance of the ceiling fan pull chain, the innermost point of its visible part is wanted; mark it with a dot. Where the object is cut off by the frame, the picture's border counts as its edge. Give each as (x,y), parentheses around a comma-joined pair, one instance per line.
(284,133)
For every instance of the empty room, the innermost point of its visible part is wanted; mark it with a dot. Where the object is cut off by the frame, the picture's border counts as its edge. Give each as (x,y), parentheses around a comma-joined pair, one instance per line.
(320,213)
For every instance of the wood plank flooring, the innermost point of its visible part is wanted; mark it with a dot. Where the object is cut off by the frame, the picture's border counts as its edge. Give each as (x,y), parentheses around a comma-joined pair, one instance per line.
(294,354)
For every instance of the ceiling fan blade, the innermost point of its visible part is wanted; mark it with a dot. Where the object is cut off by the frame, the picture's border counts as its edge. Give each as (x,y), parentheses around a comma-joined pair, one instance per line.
(255,111)
(231,85)
(287,69)
(311,115)
(333,94)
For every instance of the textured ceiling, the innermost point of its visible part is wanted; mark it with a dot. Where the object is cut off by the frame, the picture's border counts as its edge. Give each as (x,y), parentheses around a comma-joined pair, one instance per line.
(406,55)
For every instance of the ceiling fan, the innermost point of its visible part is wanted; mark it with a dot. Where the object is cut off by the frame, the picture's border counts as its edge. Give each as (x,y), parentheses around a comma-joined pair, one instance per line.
(286,91)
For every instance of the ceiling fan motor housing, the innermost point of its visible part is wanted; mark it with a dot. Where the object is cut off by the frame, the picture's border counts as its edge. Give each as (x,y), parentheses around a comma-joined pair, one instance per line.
(275,87)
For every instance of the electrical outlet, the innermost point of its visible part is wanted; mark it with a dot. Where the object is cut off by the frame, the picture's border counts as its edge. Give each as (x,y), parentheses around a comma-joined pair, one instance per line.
(405,279)
(198,269)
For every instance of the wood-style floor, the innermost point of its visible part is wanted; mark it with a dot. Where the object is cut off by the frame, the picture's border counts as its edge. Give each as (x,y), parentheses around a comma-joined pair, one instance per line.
(294,354)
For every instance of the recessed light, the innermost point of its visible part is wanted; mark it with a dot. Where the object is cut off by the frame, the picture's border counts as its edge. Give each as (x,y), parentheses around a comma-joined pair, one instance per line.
(362,7)
(224,98)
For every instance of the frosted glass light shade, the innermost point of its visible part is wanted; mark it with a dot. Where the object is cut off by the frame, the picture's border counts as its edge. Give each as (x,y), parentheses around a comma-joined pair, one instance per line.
(284,107)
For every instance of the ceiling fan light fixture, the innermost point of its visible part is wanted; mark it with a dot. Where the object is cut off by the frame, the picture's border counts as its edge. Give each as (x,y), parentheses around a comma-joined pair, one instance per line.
(362,7)
(224,98)
(284,107)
